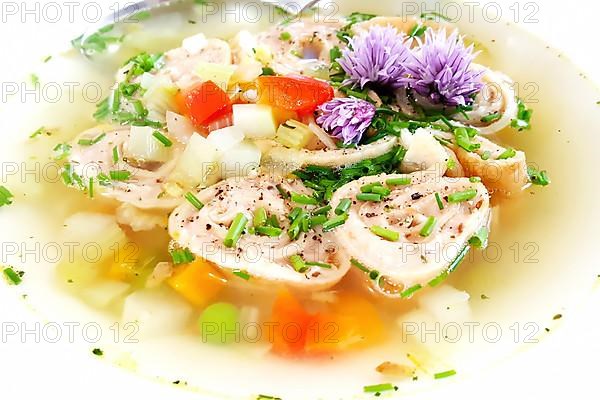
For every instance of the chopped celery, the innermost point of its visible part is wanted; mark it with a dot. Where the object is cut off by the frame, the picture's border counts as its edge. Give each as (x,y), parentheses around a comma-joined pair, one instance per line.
(220,74)
(198,165)
(257,121)
(294,134)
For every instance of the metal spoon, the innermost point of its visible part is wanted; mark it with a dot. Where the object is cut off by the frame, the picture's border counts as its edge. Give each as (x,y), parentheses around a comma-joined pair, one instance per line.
(293,7)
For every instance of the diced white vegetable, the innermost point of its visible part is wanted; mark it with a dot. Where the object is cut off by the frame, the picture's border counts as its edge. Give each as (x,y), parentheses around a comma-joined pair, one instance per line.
(90,240)
(255,120)
(240,160)
(179,127)
(160,95)
(263,54)
(102,294)
(446,304)
(247,72)
(198,165)
(423,152)
(226,138)
(294,134)
(143,146)
(220,74)
(194,44)
(157,312)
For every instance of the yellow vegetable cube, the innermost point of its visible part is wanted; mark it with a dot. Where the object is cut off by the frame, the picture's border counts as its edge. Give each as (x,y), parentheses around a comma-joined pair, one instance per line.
(198,282)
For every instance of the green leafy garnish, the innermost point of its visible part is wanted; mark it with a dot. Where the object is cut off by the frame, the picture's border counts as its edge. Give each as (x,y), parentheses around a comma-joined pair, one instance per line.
(480,238)
(417,31)
(98,352)
(539,178)
(523,120)
(242,274)
(193,200)
(5,196)
(382,387)
(445,374)
(12,276)
(182,256)
(98,42)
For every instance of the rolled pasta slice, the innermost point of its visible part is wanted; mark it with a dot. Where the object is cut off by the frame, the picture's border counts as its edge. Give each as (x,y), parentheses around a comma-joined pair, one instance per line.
(100,155)
(406,240)
(290,159)
(501,170)
(495,106)
(266,253)
(405,24)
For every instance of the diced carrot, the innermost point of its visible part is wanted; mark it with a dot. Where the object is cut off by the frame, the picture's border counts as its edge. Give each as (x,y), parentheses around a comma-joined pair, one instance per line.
(290,324)
(198,282)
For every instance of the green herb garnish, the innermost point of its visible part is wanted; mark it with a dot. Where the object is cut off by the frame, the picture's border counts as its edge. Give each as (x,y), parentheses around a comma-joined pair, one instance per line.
(382,387)
(459,197)
(427,229)
(120,175)
(385,233)
(162,138)
(6,197)
(193,200)
(523,120)
(13,277)
(242,274)
(508,153)
(445,374)
(539,178)
(480,238)
(182,256)
(235,230)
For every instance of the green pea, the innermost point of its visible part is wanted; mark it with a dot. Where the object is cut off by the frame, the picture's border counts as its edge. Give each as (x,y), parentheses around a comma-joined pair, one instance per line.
(219,323)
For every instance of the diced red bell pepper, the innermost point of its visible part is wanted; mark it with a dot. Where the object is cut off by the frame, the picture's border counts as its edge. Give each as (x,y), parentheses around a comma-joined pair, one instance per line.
(204,103)
(294,93)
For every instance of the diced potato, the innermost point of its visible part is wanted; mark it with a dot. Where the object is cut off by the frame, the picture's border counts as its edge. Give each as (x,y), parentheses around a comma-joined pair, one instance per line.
(157,312)
(143,146)
(226,138)
(294,134)
(240,160)
(194,44)
(198,282)
(220,74)
(102,294)
(92,241)
(423,152)
(198,165)
(255,120)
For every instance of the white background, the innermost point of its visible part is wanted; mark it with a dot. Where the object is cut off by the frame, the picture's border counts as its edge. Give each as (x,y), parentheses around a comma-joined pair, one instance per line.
(566,366)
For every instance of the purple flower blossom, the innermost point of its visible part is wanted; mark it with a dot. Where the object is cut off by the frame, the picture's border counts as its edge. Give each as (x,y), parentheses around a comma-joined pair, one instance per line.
(440,70)
(346,118)
(376,56)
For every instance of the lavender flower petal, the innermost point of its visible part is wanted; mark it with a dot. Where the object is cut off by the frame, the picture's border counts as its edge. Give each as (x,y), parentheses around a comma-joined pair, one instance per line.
(440,70)
(346,119)
(376,56)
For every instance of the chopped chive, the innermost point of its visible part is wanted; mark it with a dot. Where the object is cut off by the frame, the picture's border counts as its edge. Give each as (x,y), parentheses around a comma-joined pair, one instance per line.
(235,230)
(304,199)
(120,175)
(297,224)
(445,374)
(335,222)
(369,187)
(139,108)
(5,196)
(417,30)
(90,142)
(463,140)
(317,220)
(285,36)
(491,118)
(268,231)
(439,202)
(455,263)
(98,352)
(260,217)
(284,193)
(91,188)
(486,155)
(538,177)
(322,210)
(368,197)
(61,151)
(410,291)
(318,264)
(46,59)
(480,238)
(274,221)
(298,263)
(428,227)
(385,233)
(399,181)
(14,277)
(267,397)
(359,265)
(242,274)
(382,387)
(373,275)
(115,101)
(39,132)
(439,279)
(474,179)
(343,207)
(294,214)
(508,153)
(193,200)
(162,138)
(380,190)
(115,153)
(459,197)
(182,256)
